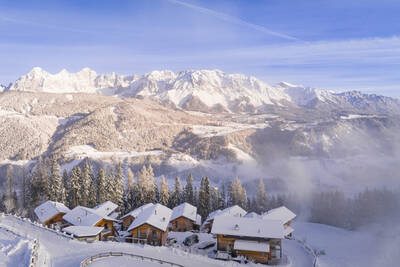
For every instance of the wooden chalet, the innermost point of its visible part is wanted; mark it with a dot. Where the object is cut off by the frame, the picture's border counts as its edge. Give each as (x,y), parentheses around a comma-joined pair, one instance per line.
(82,216)
(151,226)
(255,239)
(185,218)
(107,208)
(128,218)
(233,211)
(284,215)
(51,214)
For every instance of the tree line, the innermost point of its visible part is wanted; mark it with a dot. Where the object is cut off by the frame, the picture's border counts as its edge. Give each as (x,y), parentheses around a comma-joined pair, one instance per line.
(86,187)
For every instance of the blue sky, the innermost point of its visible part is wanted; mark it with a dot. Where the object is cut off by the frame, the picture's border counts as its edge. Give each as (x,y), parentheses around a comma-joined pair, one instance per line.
(336,44)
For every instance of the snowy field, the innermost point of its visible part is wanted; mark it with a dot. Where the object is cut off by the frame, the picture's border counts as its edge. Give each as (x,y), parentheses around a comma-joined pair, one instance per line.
(14,250)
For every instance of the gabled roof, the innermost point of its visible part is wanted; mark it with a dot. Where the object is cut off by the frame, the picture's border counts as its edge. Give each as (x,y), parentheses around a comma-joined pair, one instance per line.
(184,210)
(212,215)
(134,213)
(49,209)
(83,231)
(157,216)
(235,211)
(106,208)
(282,213)
(252,215)
(247,227)
(82,216)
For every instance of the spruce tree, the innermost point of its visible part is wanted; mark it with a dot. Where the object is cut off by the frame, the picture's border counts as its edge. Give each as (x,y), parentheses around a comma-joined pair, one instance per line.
(110,186)
(261,198)
(176,197)
(119,186)
(74,192)
(164,191)
(222,198)
(10,202)
(101,186)
(188,193)
(204,198)
(64,194)
(85,184)
(57,187)
(214,198)
(129,191)
(36,190)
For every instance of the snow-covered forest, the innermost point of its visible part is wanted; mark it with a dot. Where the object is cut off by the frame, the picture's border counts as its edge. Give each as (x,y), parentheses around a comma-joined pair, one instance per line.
(23,190)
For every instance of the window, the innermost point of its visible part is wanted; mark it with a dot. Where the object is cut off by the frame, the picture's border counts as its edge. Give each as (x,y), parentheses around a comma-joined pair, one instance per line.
(138,233)
(105,226)
(176,224)
(154,234)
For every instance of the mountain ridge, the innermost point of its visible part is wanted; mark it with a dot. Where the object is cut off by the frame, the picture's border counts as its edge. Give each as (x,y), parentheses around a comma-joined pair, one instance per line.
(211,89)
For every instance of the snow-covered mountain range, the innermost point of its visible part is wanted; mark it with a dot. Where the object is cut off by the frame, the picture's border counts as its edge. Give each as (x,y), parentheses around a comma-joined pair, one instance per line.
(202,90)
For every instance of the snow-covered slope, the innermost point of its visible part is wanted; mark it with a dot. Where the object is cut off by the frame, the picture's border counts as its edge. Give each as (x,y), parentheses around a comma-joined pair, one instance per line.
(202,90)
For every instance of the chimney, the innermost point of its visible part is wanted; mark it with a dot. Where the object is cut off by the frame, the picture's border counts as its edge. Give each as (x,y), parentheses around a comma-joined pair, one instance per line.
(155,212)
(236,227)
(163,219)
(79,219)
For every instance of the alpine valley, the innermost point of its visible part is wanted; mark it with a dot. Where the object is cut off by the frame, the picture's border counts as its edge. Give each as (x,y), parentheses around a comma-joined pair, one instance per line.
(206,122)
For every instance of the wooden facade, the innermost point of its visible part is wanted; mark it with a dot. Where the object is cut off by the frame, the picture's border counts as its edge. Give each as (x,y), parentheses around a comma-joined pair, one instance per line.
(227,243)
(108,226)
(58,218)
(126,222)
(149,234)
(182,224)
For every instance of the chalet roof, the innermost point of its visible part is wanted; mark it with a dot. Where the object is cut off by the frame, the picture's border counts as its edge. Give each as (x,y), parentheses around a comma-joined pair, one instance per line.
(83,231)
(282,213)
(251,245)
(288,230)
(252,215)
(82,216)
(198,219)
(184,210)
(156,215)
(49,209)
(247,227)
(134,213)
(233,211)
(106,208)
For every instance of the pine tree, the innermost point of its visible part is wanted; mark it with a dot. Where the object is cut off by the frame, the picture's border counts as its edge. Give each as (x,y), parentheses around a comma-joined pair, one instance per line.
(25,192)
(237,194)
(119,186)
(176,197)
(110,186)
(204,198)
(36,190)
(92,197)
(57,187)
(222,198)
(188,193)
(129,191)
(214,198)
(101,186)
(45,181)
(261,198)
(74,193)
(164,191)
(85,184)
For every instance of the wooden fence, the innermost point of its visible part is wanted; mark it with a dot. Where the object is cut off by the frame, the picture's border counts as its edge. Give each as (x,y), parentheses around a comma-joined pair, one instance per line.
(90,259)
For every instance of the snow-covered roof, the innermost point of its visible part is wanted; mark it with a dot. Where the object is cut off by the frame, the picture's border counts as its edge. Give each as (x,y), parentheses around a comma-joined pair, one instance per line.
(282,213)
(251,245)
(252,215)
(287,230)
(156,215)
(106,208)
(233,211)
(83,231)
(82,216)
(49,209)
(247,227)
(198,219)
(134,213)
(184,210)
(212,215)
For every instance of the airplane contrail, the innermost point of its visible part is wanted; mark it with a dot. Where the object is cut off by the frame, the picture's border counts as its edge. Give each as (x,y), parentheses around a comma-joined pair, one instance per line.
(234,20)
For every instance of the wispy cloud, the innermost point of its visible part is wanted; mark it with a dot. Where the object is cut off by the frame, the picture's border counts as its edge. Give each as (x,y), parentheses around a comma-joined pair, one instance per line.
(234,20)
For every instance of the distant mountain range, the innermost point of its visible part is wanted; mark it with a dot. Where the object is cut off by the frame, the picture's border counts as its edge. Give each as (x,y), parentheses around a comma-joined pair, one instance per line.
(203,90)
